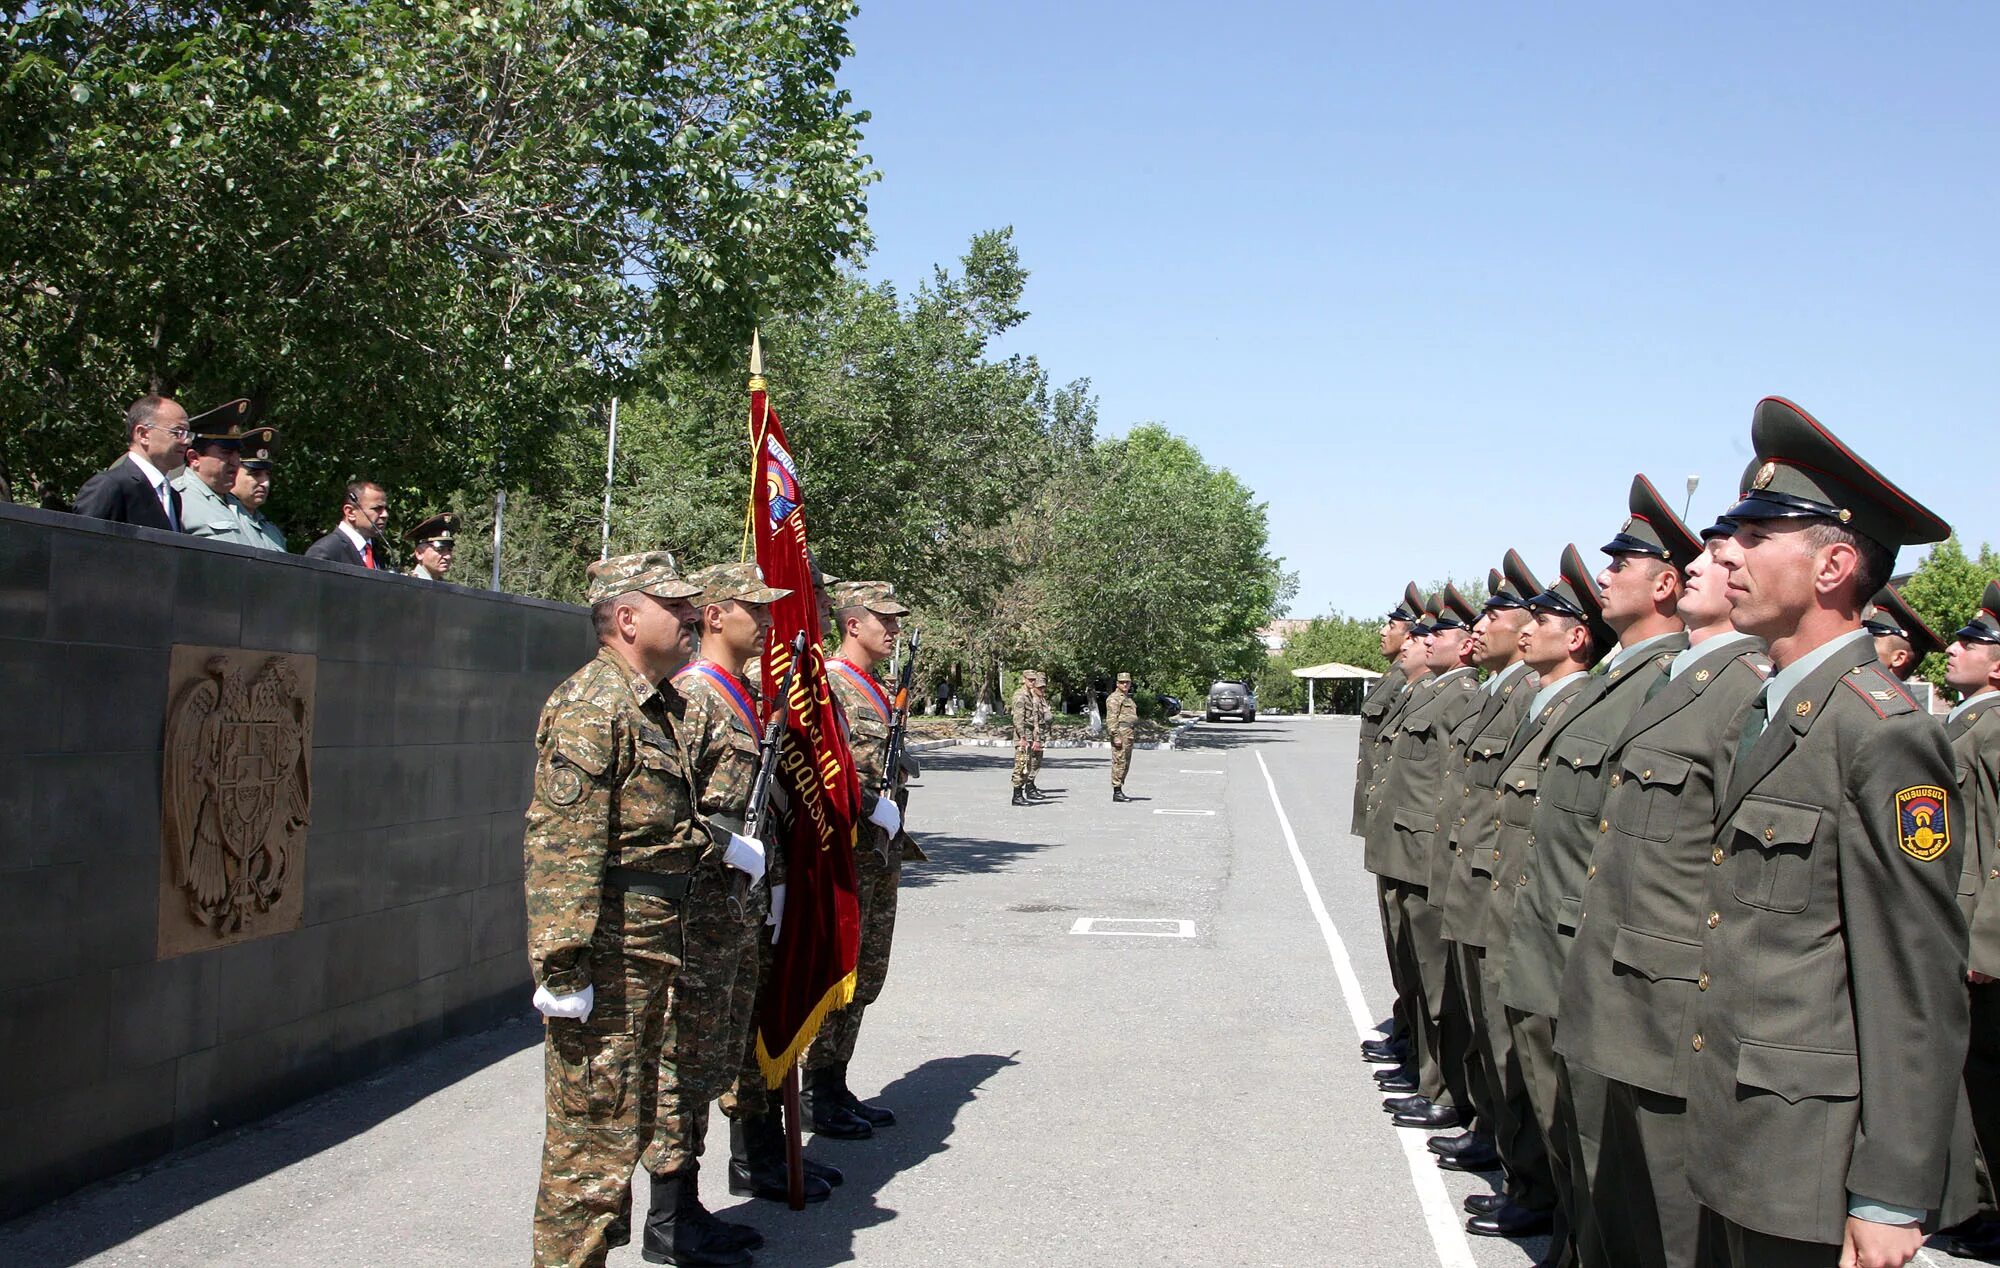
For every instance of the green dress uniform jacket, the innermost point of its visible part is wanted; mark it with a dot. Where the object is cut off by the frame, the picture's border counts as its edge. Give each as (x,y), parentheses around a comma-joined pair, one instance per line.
(1628,992)
(1522,767)
(1975,745)
(1376,826)
(1828,1046)
(1415,774)
(218,517)
(1477,826)
(1374,707)
(1565,826)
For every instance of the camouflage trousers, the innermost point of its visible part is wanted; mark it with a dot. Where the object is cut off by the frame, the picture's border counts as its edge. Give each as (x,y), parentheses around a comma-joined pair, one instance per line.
(708,1017)
(600,1080)
(748,1097)
(1121,759)
(1025,760)
(876,882)
(1034,764)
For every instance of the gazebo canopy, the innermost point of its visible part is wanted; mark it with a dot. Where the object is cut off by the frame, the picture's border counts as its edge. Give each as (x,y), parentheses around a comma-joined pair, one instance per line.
(1334,669)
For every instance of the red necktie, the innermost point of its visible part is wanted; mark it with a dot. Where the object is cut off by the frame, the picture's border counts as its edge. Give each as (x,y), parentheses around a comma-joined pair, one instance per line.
(368,554)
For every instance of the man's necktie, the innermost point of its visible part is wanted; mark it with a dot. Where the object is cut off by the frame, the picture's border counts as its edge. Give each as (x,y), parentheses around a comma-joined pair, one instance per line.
(1754,723)
(368,554)
(166,492)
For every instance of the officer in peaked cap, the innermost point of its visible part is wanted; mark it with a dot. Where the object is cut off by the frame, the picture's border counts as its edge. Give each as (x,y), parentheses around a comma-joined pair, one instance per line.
(207,485)
(1824,1072)
(1902,639)
(1574,594)
(253,490)
(1972,668)
(1382,695)
(434,541)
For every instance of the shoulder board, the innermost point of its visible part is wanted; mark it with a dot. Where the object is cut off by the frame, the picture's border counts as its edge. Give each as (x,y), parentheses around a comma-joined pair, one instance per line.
(1881,692)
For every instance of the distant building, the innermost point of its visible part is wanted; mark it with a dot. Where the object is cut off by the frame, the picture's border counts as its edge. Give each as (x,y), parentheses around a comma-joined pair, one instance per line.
(1278,633)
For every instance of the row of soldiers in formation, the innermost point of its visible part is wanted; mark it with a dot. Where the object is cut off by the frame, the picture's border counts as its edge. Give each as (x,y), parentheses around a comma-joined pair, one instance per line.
(651,915)
(209,476)
(1033,718)
(1690,933)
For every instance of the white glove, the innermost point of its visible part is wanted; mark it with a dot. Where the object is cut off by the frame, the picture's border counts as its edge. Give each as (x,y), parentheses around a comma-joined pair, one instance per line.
(575,1007)
(886,815)
(746,855)
(777,917)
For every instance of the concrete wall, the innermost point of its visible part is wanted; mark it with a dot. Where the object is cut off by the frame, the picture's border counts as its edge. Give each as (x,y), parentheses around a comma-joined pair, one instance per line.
(413,928)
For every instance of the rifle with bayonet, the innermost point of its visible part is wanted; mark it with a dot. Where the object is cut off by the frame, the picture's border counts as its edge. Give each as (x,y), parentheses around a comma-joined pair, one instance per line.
(893,759)
(768,743)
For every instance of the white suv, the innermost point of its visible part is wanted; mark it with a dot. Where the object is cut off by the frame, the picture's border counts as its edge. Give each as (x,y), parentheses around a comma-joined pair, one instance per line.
(1232,700)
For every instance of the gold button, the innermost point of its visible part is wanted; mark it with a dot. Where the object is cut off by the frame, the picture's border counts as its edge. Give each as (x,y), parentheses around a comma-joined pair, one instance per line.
(1697,1043)
(1645,774)
(1993,875)
(1714,919)
(1496,854)
(1461,821)
(1614,781)
(1770,834)
(1496,884)
(1591,875)
(1538,799)
(1520,783)
(1715,856)
(1604,825)
(1701,983)
(1524,878)
(1545,763)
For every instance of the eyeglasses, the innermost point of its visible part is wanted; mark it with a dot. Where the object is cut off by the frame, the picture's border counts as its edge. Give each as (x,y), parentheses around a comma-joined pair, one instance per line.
(178,433)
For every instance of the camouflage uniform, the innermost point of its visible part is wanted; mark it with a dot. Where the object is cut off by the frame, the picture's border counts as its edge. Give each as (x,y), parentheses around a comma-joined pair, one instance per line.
(1027,714)
(877,868)
(1045,717)
(611,791)
(1121,722)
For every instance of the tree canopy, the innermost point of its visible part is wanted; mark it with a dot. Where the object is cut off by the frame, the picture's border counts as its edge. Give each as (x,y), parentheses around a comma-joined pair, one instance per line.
(1946,589)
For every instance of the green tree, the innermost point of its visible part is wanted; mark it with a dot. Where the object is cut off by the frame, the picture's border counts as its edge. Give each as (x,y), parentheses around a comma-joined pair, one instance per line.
(428,237)
(1334,639)
(1946,589)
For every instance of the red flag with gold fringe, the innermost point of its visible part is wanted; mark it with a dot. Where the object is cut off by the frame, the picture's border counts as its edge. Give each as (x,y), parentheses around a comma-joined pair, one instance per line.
(820,937)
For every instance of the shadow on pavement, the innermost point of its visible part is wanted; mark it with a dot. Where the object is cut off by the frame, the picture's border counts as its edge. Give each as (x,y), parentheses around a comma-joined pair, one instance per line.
(927,1101)
(1219,736)
(964,856)
(103,1216)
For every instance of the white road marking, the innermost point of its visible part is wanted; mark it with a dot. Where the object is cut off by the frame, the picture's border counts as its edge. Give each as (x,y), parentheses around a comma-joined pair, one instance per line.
(1183,812)
(1186,771)
(1440,1214)
(1088,924)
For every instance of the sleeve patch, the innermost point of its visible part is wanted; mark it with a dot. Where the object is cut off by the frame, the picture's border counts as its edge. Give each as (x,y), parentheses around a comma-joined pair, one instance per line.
(563,785)
(1923,821)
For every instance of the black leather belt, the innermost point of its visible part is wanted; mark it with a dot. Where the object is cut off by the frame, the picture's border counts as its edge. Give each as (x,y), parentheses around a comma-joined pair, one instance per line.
(652,884)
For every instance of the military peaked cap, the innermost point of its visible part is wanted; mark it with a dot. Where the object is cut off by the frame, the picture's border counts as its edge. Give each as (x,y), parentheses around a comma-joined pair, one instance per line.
(743,582)
(1454,613)
(652,572)
(1427,613)
(1519,584)
(1653,530)
(440,529)
(1891,614)
(228,425)
(1496,584)
(1805,472)
(1574,594)
(1984,627)
(1412,606)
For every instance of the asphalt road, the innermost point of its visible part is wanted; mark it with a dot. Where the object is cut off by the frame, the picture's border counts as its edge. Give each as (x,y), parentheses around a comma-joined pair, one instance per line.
(1179,1085)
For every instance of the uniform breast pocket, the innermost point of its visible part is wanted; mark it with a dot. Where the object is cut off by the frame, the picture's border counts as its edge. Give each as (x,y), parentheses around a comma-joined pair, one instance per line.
(1647,796)
(1573,767)
(1414,738)
(1519,793)
(1772,862)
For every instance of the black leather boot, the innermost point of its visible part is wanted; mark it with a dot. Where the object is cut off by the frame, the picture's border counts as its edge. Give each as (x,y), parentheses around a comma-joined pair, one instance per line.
(757,1162)
(873,1115)
(1020,795)
(825,1110)
(1118,793)
(680,1231)
(1035,793)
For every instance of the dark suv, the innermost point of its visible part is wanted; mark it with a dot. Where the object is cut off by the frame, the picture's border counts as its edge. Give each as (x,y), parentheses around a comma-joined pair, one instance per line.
(1232,700)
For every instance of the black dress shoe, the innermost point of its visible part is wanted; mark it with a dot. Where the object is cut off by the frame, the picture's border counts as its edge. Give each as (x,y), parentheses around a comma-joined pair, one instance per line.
(1398,1082)
(1445,1146)
(1435,1118)
(1384,1050)
(1406,1104)
(1484,1203)
(1480,1159)
(1509,1220)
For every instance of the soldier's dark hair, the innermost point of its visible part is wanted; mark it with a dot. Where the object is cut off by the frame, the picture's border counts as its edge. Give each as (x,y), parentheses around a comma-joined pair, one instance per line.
(1874,561)
(603,616)
(840,615)
(144,412)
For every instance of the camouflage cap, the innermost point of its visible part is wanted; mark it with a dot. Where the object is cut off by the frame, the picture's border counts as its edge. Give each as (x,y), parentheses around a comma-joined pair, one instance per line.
(743,582)
(651,572)
(1124,678)
(878,597)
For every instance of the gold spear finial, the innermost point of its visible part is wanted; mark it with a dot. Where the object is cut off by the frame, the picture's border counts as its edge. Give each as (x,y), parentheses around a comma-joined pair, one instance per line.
(756,361)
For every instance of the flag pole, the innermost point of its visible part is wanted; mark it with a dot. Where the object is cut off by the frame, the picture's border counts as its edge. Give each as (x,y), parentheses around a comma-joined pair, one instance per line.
(795,1150)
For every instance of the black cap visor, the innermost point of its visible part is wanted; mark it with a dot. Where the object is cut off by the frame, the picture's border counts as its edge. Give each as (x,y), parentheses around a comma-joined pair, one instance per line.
(1974,632)
(1626,544)
(1763,504)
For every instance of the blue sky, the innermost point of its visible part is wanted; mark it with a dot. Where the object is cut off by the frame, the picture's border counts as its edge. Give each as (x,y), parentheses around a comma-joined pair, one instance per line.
(1436,280)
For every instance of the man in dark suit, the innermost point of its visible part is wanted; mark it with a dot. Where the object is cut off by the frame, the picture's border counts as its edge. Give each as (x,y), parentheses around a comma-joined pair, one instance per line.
(134,489)
(357,539)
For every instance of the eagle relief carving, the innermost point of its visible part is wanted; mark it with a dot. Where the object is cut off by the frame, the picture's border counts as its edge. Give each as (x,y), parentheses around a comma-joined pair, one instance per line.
(235,796)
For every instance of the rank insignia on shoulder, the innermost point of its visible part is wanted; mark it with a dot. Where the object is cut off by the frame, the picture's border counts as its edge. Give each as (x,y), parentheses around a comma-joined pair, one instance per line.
(1923,821)
(1883,695)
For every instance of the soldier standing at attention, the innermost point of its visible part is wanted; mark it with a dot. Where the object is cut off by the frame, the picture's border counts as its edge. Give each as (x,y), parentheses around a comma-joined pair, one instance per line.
(612,846)
(1564,637)
(1972,669)
(1825,1080)
(434,540)
(1121,722)
(1629,987)
(709,1022)
(1394,1048)
(1902,639)
(1027,715)
(253,489)
(870,618)
(1639,594)
(1046,724)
